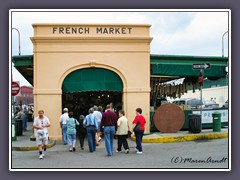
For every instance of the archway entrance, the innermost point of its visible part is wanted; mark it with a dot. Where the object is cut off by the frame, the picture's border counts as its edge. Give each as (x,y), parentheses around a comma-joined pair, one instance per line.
(87,87)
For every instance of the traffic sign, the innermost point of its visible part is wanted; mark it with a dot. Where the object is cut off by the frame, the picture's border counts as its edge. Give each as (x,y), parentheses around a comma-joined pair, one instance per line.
(201,66)
(15,88)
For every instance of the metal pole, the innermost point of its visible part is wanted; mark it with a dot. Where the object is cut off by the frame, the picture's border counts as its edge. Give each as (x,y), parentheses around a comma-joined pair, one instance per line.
(19,47)
(19,53)
(223,43)
(201,96)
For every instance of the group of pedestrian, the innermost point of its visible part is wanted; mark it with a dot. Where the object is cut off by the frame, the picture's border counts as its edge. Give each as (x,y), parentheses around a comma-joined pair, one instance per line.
(71,128)
(93,126)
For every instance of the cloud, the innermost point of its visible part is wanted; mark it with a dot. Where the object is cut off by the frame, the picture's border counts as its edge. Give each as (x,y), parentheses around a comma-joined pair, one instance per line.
(202,36)
(172,22)
(23,22)
(174,33)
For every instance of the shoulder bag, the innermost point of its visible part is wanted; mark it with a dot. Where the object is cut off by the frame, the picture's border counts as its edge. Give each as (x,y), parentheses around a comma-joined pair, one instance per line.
(138,126)
(76,126)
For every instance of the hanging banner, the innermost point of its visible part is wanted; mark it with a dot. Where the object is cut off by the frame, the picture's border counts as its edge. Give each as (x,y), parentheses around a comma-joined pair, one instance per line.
(207,115)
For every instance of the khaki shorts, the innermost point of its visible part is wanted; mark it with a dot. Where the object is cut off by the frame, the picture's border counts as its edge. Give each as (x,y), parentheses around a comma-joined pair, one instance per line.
(42,140)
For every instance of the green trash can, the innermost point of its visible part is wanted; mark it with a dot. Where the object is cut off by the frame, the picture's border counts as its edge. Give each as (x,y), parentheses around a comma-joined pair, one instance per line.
(152,125)
(216,121)
(186,122)
(14,131)
(29,117)
(19,130)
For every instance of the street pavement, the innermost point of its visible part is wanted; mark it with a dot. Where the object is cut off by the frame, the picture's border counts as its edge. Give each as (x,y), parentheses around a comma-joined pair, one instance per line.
(211,153)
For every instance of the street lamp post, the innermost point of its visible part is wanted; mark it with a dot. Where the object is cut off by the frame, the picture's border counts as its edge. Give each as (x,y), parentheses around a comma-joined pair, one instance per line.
(223,43)
(223,56)
(19,47)
(19,53)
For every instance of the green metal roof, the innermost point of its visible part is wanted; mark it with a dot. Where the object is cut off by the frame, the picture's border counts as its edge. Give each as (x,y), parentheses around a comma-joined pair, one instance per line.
(161,65)
(188,60)
(25,60)
(24,64)
(176,65)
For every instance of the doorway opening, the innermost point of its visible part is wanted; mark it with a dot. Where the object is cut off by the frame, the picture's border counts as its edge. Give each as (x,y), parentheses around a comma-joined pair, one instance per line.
(84,88)
(80,102)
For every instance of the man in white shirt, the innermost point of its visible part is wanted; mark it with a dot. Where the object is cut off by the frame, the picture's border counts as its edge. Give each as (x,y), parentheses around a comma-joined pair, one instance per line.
(63,125)
(40,124)
(122,132)
(98,114)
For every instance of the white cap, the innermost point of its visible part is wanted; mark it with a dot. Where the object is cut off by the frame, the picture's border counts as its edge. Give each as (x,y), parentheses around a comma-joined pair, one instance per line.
(65,110)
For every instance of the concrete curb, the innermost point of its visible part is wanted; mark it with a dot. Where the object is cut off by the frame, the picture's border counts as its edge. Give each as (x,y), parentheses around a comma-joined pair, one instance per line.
(182,138)
(33,148)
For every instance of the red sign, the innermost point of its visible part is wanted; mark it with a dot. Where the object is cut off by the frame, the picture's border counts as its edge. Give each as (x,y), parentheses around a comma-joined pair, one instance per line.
(200,79)
(15,88)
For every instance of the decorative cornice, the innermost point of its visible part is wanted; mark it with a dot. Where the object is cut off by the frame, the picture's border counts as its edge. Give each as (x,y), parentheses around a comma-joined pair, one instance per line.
(47,91)
(91,39)
(90,25)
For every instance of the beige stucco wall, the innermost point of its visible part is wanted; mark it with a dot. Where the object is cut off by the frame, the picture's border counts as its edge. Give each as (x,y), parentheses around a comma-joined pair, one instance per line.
(57,55)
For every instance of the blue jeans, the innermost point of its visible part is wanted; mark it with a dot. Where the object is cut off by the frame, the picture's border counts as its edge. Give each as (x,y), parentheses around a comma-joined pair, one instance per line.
(139,136)
(71,139)
(91,132)
(64,133)
(109,132)
(99,126)
(24,122)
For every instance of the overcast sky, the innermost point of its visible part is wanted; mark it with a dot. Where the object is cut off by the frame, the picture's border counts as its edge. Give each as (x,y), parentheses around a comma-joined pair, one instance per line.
(174,33)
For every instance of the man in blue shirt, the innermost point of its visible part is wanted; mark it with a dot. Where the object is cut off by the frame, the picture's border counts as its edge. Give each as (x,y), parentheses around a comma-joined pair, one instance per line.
(91,123)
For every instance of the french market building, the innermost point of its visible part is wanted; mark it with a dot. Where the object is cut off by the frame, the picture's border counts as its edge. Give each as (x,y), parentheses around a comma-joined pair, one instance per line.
(83,65)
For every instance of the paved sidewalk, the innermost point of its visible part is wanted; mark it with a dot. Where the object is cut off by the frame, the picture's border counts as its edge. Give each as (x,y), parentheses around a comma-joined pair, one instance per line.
(182,136)
(24,143)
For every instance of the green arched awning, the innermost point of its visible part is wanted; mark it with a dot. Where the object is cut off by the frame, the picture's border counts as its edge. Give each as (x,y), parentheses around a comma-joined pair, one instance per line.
(92,79)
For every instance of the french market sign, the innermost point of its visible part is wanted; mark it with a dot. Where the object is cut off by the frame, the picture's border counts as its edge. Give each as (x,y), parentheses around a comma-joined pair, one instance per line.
(51,30)
(88,30)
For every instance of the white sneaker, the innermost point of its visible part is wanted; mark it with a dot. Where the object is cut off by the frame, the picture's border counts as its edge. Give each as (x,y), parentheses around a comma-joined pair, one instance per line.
(41,156)
(127,151)
(117,151)
(139,152)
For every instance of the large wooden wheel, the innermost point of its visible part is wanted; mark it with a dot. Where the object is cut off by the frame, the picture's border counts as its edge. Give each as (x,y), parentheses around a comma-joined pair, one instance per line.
(169,118)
